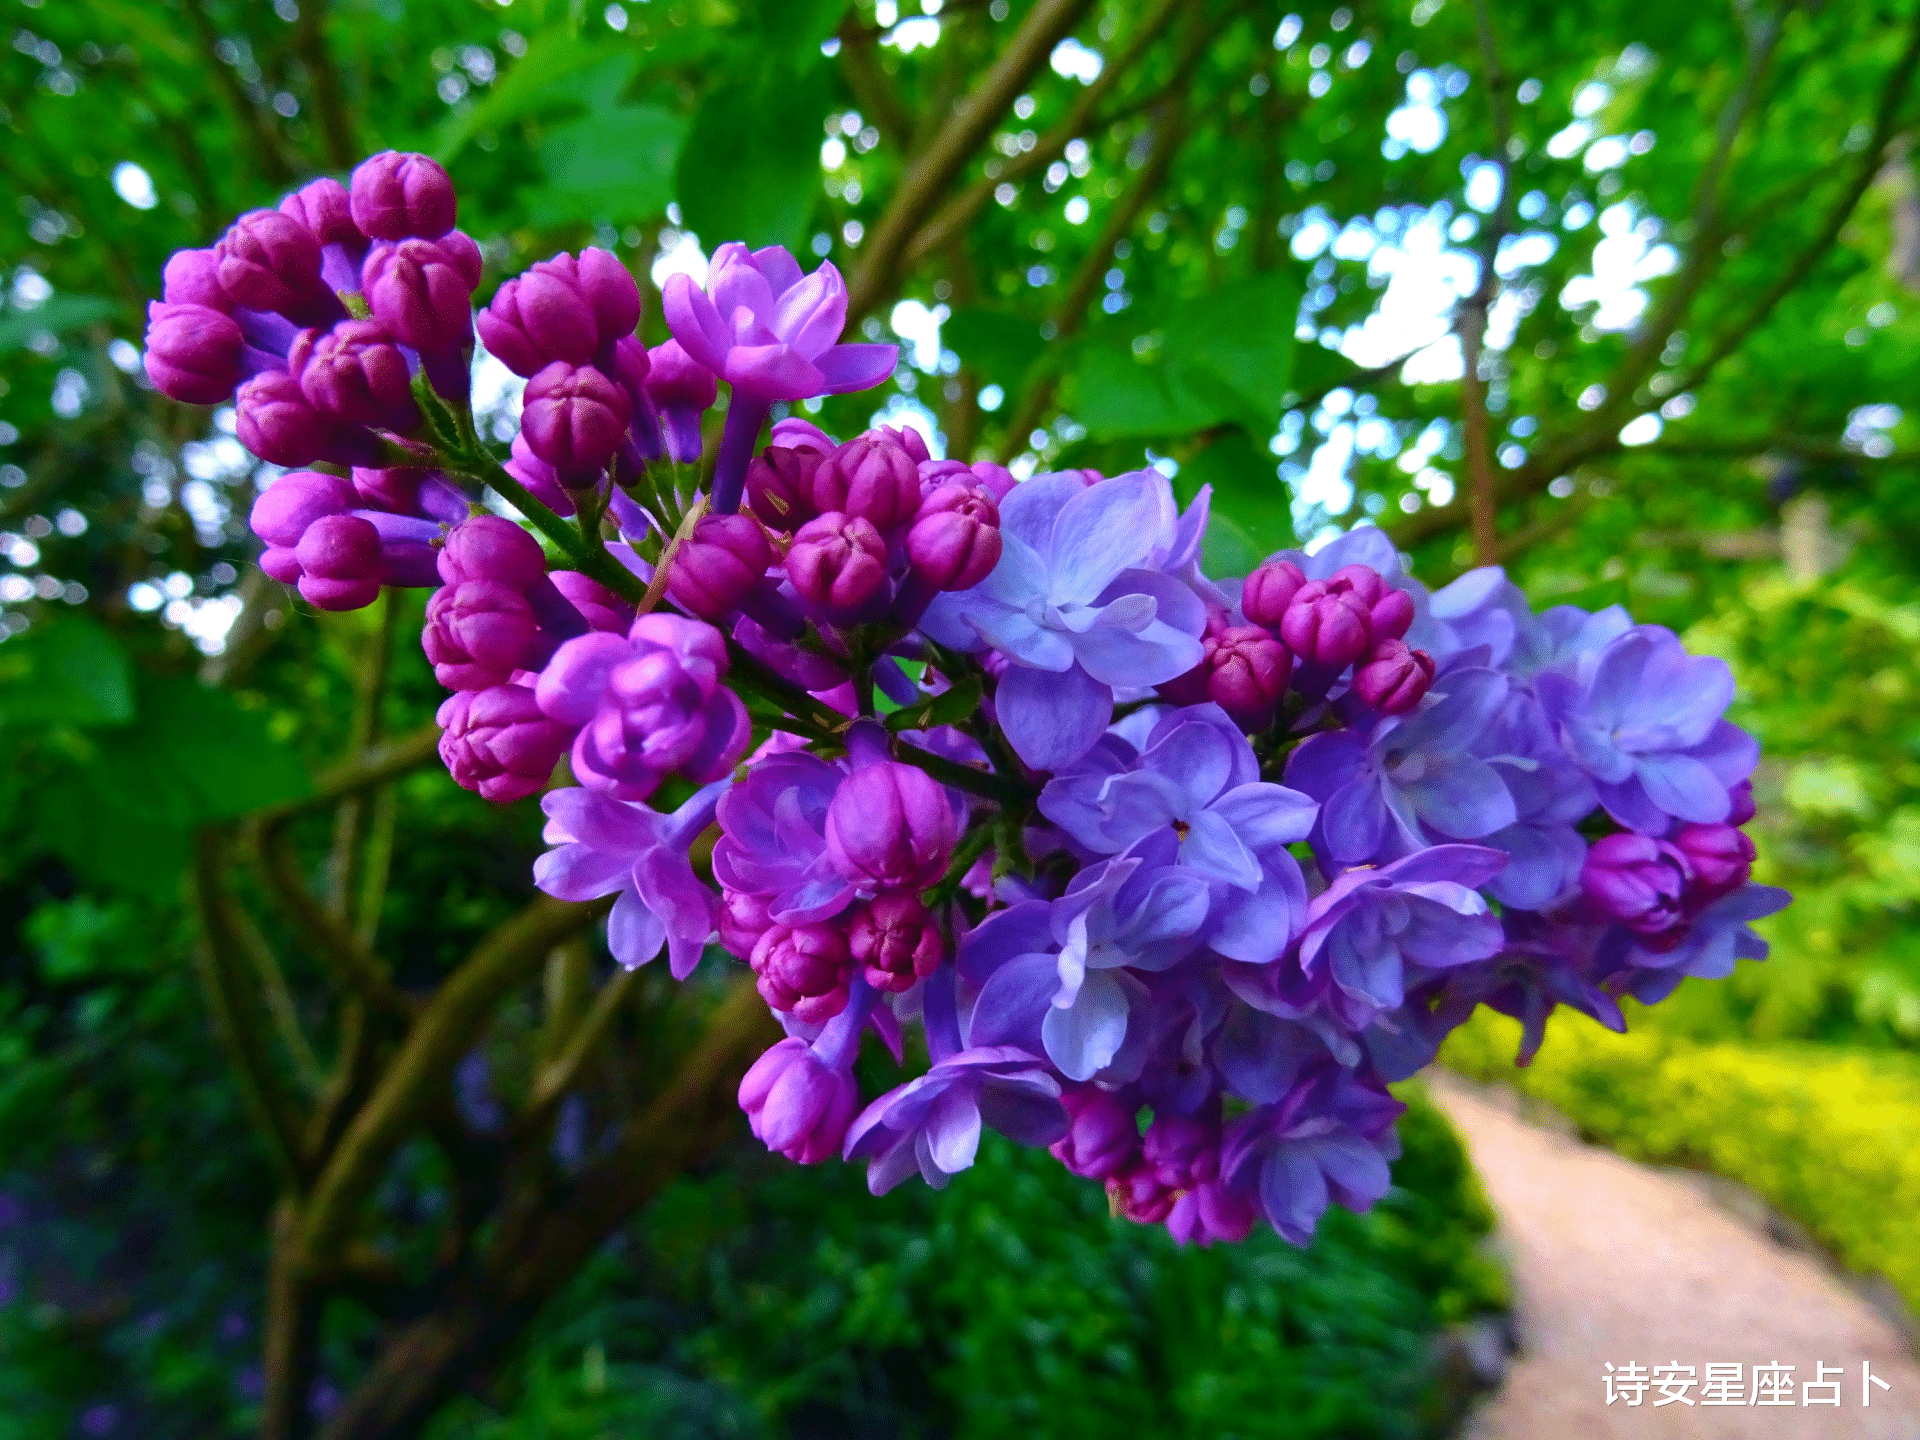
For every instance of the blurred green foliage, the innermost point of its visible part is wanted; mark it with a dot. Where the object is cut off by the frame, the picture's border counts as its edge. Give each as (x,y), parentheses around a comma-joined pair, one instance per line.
(792,1303)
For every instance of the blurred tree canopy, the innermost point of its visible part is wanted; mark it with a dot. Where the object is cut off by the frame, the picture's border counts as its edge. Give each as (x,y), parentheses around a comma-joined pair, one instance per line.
(1621,296)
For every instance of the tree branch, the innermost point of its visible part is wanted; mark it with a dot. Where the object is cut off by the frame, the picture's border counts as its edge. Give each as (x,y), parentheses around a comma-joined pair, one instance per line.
(446,1029)
(329,101)
(957,214)
(930,173)
(562,1072)
(273,162)
(280,1001)
(378,765)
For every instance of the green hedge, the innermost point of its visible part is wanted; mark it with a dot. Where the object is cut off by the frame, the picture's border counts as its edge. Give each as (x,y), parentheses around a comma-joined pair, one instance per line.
(1829,1136)
(769,1301)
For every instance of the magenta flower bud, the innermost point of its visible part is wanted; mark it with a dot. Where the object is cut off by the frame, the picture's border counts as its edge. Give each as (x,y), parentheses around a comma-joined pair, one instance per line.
(323,208)
(891,826)
(293,502)
(611,292)
(1393,679)
(1743,807)
(682,390)
(1103,1134)
(1242,669)
(276,421)
(1326,627)
(537,319)
(1269,591)
(269,261)
(897,940)
(354,372)
(743,920)
(192,277)
(955,540)
(422,292)
(874,477)
(1641,882)
(1721,857)
(193,352)
(796,432)
(498,743)
(574,418)
(803,970)
(779,486)
(340,561)
(838,564)
(796,1104)
(719,565)
(492,547)
(1389,609)
(906,437)
(395,195)
(479,632)
(1136,1192)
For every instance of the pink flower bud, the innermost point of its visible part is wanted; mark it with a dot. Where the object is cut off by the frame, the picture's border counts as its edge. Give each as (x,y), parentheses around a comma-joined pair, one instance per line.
(491,547)
(1103,1134)
(354,372)
(396,195)
(682,390)
(1325,627)
(874,477)
(719,565)
(269,261)
(293,502)
(479,632)
(497,742)
(422,292)
(1721,857)
(536,319)
(574,417)
(796,1104)
(1393,679)
(906,437)
(1269,591)
(955,540)
(779,487)
(1389,608)
(340,560)
(891,826)
(803,970)
(275,420)
(838,564)
(743,920)
(1641,882)
(897,939)
(193,352)
(1242,669)
(192,277)
(323,208)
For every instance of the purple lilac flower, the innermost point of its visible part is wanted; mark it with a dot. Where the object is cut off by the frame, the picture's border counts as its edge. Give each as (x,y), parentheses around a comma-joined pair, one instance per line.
(1643,718)
(649,704)
(1327,1143)
(772,842)
(605,846)
(932,1124)
(1103,1133)
(1073,611)
(682,390)
(497,742)
(801,1097)
(1717,937)
(890,826)
(772,334)
(1397,785)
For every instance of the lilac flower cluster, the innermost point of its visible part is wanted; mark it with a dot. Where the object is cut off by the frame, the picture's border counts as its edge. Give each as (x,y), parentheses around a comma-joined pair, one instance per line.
(1175,873)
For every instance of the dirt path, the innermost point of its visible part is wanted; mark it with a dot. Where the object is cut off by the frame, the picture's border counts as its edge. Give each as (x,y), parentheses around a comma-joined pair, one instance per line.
(1615,1262)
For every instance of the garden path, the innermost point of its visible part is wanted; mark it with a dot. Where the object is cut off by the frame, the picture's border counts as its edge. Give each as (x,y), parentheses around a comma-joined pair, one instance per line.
(1616,1262)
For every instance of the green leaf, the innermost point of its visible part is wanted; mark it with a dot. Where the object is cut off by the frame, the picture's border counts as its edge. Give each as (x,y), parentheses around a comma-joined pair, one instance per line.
(127,817)
(1249,498)
(615,165)
(58,315)
(997,343)
(546,73)
(71,672)
(1226,356)
(750,168)
(949,707)
(793,24)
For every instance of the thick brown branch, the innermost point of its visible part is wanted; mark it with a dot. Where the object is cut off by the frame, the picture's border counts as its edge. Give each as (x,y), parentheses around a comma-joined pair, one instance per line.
(931,172)
(446,1029)
(381,763)
(562,1072)
(360,972)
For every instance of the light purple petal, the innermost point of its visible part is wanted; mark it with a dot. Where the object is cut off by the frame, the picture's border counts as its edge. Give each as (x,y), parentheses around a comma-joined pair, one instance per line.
(1265,815)
(634,933)
(953,1129)
(1028,512)
(1211,847)
(1107,528)
(1084,1037)
(1014,1001)
(846,368)
(1052,720)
